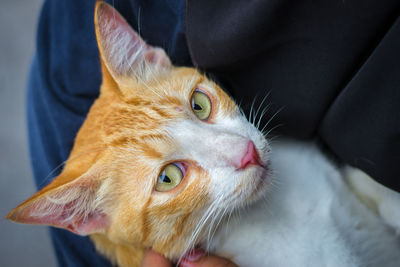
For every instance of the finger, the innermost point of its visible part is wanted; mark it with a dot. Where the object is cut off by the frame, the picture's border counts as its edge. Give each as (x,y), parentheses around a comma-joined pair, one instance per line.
(198,258)
(152,258)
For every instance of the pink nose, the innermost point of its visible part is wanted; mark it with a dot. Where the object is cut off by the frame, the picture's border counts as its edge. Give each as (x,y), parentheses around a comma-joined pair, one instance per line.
(250,157)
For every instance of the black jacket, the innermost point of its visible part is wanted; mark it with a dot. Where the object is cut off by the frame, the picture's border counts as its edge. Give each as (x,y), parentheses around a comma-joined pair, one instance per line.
(332,68)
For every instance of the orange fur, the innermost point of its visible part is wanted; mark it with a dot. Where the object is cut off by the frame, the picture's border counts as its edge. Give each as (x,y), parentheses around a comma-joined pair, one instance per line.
(118,154)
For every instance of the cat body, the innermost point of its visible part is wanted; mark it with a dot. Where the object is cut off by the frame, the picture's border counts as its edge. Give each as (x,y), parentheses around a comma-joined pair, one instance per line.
(165,157)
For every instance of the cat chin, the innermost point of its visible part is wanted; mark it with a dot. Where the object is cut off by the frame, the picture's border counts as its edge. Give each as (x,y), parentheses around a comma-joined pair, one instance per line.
(259,181)
(262,185)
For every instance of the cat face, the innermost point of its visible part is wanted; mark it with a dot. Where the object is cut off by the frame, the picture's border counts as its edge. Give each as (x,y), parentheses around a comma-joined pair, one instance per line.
(162,129)
(163,155)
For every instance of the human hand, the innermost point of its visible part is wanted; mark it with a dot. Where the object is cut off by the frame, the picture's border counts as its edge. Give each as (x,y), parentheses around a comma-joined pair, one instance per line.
(197,258)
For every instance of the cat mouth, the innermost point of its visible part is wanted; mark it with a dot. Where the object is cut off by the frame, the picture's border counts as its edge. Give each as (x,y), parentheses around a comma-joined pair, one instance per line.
(261,181)
(255,184)
(256,170)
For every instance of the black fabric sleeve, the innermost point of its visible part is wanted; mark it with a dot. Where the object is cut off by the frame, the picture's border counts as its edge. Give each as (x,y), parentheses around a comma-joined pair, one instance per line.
(331,69)
(362,126)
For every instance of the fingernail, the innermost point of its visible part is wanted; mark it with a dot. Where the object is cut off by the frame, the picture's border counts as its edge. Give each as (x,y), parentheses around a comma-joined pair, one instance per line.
(194,255)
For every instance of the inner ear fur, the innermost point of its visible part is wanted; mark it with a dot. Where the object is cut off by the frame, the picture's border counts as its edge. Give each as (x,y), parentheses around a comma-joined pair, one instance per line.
(124,54)
(77,206)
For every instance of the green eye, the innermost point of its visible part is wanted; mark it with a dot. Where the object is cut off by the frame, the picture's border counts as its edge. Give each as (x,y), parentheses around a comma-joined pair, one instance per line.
(201,105)
(169,178)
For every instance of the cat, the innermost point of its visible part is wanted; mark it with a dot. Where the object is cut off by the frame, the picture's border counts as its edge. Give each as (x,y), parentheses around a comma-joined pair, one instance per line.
(167,160)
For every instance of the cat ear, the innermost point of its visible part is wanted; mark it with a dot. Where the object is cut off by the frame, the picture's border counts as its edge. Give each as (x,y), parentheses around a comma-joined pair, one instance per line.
(74,206)
(122,51)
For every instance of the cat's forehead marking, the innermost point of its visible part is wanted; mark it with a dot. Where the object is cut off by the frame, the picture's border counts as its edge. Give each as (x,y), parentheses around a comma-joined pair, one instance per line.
(137,121)
(158,89)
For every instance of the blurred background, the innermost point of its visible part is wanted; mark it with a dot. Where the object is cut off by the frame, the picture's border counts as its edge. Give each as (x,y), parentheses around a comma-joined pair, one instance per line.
(20,245)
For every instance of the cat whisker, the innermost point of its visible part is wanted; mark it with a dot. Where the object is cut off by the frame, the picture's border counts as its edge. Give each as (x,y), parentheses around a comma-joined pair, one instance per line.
(229,218)
(226,210)
(211,227)
(240,105)
(266,134)
(210,213)
(260,105)
(251,110)
(273,116)
(264,111)
(272,139)
(198,227)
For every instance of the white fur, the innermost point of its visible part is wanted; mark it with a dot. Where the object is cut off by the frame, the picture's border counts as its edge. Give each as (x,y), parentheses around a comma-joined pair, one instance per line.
(311,218)
(215,146)
(382,200)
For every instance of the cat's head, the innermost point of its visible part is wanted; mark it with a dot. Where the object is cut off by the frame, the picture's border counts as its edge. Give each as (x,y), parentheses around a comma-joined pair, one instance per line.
(163,154)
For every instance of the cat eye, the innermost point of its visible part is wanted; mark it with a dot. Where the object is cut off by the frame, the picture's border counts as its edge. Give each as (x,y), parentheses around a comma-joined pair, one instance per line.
(169,178)
(201,105)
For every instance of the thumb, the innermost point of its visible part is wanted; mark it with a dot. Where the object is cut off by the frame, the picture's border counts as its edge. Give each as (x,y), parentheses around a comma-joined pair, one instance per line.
(198,258)
(151,258)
